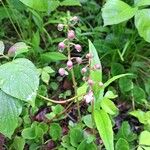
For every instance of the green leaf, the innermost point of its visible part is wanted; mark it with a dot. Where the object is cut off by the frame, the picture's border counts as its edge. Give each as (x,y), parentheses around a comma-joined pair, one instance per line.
(117,69)
(76,136)
(2,47)
(40,5)
(139,94)
(109,106)
(19,79)
(141,2)
(82,90)
(110,95)
(144,141)
(70,3)
(86,146)
(115,78)
(53,4)
(53,57)
(10,110)
(122,144)
(125,84)
(117,11)
(104,126)
(88,121)
(45,77)
(18,143)
(142,23)
(48,69)
(55,131)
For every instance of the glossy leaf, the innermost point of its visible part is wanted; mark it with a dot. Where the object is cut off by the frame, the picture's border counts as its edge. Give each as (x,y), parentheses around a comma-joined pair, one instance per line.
(40,5)
(117,11)
(104,126)
(142,23)
(10,109)
(19,79)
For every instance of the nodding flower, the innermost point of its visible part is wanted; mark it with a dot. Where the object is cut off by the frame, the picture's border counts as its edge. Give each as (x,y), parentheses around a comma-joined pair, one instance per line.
(71,35)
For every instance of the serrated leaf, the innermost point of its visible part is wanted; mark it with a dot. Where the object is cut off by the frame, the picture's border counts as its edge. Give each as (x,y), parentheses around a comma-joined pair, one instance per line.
(142,23)
(70,3)
(117,11)
(40,5)
(10,109)
(104,126)
(19,79)
(141,2)
(2,47)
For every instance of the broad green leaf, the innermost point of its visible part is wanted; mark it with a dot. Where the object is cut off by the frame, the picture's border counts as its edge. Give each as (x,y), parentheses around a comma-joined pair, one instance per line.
(139,94)
(125,132)
(10,109)
(109,106)
(40,5)
(17,48)
(144,141)
(115,78)
(110,95)
(55,131)
(125,84)
(141,2)
(70,3)
(53,57)
(18,143)
(2,47)
(104,126)
(117,69)
(19,79)
(48,69)
(86,146)
(76,136)
(117,11)
(45,77)
(142,23)
(122,144)
(88,121)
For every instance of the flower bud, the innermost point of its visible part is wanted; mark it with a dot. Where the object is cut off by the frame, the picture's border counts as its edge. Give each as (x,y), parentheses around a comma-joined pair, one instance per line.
(90,82)
(84,78)
(79,60)
(83,70)
(97,66)
(71,35)
(78,47)
(75,19)
(62,71)
(12,51)
(89,97)
(101,84)
(89,56)
(61,46)
(69,64)
(60,27)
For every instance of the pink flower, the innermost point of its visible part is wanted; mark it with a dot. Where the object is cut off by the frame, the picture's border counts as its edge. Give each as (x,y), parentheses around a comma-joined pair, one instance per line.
(62,72)
(61,46)
(69,64)
(89,56)
(97,66)
(71,35)
(84,70)
(75,19)
(79,60)
(78,47)
(89,97)
(90,82)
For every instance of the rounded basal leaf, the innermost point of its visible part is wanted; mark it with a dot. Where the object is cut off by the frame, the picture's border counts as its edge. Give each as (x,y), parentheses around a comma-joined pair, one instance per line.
(116,11)
(142,23)
(122,144)
(40,5)
(19,79)
(10,109)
